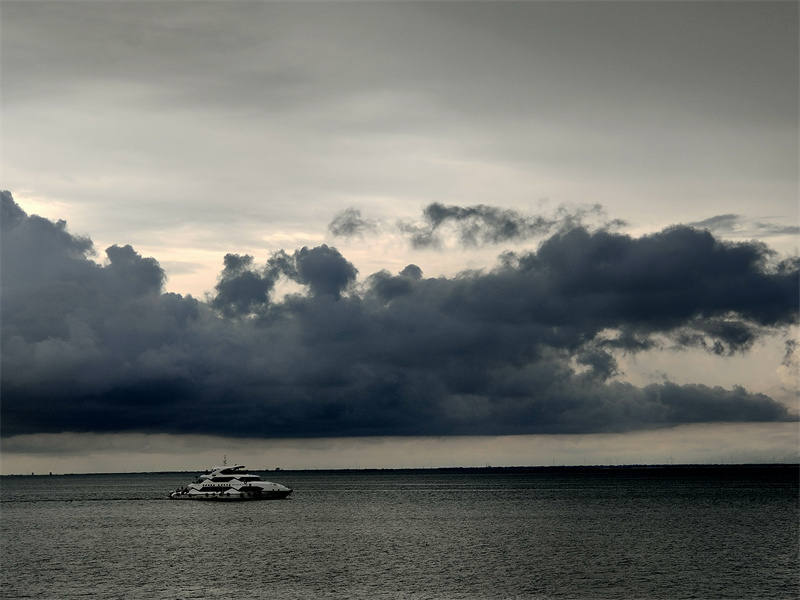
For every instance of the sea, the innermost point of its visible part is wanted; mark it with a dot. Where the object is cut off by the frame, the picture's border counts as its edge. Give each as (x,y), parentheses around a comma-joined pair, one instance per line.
(666,532)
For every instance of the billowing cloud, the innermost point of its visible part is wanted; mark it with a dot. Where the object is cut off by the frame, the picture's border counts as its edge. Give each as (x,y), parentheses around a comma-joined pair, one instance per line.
(528,347)
(324,270)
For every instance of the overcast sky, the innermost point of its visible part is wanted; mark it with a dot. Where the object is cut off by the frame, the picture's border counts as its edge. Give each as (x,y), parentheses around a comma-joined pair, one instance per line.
(329,234)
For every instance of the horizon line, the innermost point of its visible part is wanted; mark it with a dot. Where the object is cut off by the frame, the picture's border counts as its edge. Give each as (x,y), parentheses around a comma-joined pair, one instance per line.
(486,468)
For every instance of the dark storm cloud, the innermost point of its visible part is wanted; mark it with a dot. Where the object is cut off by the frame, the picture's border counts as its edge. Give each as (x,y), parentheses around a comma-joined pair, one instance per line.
(240,288)
(244,289)
(528,347)
(324,270)
(137,275)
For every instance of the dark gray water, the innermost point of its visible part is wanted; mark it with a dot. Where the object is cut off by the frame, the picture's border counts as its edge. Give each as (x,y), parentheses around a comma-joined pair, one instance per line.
(670,533)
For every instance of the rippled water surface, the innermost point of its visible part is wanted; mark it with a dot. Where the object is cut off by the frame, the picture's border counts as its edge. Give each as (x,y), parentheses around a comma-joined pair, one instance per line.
(614,533)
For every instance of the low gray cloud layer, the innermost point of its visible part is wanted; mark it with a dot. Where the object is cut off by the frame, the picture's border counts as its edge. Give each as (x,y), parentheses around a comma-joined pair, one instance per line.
(331,104)
(526,348)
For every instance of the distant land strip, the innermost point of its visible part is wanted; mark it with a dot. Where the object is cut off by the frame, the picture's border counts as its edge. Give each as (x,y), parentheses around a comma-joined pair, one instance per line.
(671,469)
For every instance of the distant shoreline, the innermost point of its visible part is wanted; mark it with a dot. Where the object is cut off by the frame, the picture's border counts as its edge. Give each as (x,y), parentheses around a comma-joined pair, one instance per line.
(566,469)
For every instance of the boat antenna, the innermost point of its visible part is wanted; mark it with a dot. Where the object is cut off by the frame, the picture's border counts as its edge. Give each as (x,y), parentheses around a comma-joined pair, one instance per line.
(224,460)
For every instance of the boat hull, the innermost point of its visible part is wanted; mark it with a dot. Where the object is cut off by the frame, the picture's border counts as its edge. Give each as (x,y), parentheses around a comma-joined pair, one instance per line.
(233,496)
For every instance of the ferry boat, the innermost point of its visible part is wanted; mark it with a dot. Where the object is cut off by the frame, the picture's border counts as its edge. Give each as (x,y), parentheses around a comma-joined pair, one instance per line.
(230,483)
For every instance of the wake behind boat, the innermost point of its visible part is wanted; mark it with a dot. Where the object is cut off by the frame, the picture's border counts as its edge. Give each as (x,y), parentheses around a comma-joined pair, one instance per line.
(230,483)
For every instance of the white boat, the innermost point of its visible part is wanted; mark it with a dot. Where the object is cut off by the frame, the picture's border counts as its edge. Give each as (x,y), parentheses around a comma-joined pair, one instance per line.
(230,483)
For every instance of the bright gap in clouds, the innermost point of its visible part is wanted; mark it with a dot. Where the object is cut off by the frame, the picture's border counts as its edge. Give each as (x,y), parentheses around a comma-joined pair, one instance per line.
(119,453)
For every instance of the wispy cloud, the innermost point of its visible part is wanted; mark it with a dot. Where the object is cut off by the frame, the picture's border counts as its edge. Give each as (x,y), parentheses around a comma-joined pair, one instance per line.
(740,226)
(350,223)
(473,226)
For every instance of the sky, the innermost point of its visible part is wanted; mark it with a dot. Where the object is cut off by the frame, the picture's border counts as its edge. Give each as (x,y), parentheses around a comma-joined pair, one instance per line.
(398,234)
